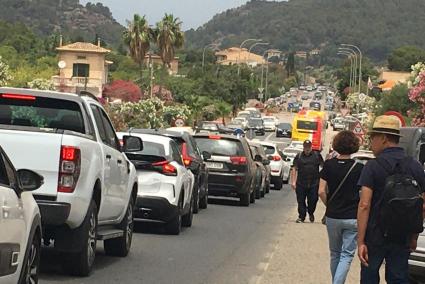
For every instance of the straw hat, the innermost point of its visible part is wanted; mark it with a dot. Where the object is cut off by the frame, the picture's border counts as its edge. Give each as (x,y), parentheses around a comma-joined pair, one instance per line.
(386,124)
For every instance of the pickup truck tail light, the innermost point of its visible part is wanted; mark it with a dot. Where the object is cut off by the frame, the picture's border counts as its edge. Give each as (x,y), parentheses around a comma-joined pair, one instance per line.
(69,169)
(238,160)
(165,168)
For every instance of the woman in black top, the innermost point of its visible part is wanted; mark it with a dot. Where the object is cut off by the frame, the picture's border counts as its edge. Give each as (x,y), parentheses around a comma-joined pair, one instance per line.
(341,200)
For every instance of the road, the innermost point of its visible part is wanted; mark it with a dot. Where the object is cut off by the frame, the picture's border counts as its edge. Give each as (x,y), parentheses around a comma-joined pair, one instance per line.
(226,244)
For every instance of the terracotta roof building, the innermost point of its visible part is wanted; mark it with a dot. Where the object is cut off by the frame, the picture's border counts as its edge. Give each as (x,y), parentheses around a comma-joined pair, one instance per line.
(236,55)
(82,66)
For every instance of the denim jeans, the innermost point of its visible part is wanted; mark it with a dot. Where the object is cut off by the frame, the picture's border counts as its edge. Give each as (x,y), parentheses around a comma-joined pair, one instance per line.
(396,264)
(342,245)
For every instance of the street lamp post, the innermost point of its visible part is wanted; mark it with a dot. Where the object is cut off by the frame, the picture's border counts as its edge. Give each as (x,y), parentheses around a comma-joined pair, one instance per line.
(267,71)
(203,53)
(353,53)
(349,55)
(254,45)
(360,64)
(240,49)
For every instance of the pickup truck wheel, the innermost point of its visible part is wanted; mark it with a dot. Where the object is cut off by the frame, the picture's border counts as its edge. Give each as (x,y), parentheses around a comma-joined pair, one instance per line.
(81,263)
(31,262)
(121,246)
(244,199)
(188,218)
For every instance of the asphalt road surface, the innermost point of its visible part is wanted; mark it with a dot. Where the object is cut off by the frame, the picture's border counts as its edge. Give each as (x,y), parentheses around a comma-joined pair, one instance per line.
(226,244)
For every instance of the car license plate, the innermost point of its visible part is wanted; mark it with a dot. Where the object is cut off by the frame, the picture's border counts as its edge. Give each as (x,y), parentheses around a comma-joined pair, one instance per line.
(212,165)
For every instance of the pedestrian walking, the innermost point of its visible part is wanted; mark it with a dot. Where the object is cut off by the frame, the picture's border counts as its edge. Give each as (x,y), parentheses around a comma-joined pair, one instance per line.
(390,213)
(340,193)
(305,180)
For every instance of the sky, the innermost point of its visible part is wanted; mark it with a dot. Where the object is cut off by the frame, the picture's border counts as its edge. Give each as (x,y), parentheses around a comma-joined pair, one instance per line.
(193,13)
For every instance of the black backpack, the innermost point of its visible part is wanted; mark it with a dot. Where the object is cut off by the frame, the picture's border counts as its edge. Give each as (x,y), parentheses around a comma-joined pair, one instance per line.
(401,202)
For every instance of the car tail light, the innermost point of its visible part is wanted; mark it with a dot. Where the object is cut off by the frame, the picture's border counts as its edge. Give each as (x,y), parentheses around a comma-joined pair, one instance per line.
(214,137)
(69,169)
(276,158)
(165,168)
(238,160)
(187,160)
(18,97)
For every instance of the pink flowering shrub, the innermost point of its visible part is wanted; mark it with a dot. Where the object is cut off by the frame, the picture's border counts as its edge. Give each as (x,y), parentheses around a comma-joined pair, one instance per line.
(417,94)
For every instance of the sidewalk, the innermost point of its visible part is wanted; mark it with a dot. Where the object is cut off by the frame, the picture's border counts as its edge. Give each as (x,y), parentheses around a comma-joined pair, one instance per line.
(301,254)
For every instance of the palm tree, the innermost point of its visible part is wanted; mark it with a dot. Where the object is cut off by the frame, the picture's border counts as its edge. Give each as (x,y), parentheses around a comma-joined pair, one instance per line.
(168,37)
(223,109)
(138,37)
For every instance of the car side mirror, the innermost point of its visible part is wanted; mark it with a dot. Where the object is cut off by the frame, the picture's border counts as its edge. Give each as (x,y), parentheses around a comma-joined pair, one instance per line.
(132,144)
(29,180)
(258,158)
(270,158)
(266,162)
(206,155)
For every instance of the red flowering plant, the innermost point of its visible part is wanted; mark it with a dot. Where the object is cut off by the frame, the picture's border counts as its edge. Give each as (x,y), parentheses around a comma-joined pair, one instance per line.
(417,94)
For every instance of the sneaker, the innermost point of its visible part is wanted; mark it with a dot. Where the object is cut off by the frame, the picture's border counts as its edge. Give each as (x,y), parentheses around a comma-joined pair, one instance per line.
(311,218)
(299,220)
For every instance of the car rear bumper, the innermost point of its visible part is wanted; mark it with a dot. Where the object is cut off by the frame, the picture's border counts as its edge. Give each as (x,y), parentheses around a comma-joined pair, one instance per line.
(53,213)
(152,208)
(225,184)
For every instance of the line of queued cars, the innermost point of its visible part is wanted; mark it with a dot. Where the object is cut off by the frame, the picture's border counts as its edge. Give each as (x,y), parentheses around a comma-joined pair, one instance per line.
(69,181)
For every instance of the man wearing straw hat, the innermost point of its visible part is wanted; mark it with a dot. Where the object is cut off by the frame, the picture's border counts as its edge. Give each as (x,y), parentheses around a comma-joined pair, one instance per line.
(374,245)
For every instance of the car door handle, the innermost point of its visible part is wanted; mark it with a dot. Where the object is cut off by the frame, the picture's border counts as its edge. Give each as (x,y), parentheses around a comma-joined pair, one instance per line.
(108,157)
(119,161)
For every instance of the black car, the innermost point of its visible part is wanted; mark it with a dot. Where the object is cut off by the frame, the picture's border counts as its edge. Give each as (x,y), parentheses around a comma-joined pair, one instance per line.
(231,166)
(315,105)
(192,159)
(284,130)
(257,124)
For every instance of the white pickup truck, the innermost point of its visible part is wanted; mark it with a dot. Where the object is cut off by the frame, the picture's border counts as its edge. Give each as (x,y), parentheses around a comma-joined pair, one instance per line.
(89,185)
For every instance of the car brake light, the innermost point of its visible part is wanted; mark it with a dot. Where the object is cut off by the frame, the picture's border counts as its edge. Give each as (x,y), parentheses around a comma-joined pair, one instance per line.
(277,158)
(215,137)
(187,160)
(69,169)
(238,160)
(165,168)
(18,97)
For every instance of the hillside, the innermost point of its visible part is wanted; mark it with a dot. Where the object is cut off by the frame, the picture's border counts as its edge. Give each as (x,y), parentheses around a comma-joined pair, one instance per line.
(68,17)
(377,26)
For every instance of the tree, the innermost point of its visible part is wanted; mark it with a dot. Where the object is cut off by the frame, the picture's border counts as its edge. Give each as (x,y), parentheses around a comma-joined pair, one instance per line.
(290,64)
(41,84)
(124,91)
(138,37)
(223,109)
(168,37)
(5,75)
(396,100)
(417,94)
(401,59)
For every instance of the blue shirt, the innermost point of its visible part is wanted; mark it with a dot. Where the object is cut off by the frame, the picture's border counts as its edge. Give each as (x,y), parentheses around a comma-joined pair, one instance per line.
(373,177)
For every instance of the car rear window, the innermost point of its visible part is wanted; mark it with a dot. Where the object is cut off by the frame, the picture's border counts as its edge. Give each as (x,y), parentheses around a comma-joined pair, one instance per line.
(209,126)
(152,152)
(30,111)
(220,147)
(269,150)
(285,126)
(307,125)
(256,122)
(269,119)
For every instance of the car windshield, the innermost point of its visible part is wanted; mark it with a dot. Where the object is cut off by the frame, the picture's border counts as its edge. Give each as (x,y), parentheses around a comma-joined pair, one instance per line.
(220,147)
(209,126)
(307,125)
(44,113)
(269,150)
(256,122)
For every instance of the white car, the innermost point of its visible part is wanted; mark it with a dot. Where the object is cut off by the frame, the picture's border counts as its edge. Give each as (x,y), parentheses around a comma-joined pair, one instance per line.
(338,124)
(270,123)
(241,120)
(280,168)
(89,185)
(165,192)
(20,223)
(291,152)
(297,144)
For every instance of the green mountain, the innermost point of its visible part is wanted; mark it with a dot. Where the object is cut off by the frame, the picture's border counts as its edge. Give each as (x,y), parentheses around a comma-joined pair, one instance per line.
(377,26)
(67,17)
